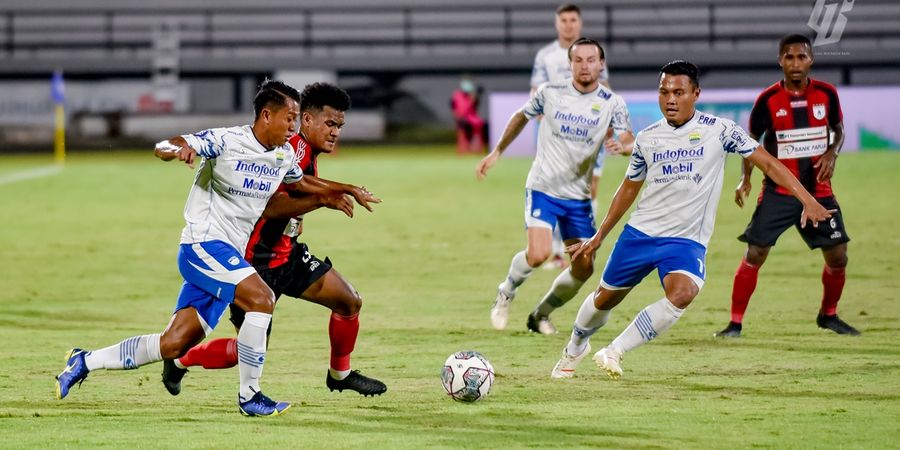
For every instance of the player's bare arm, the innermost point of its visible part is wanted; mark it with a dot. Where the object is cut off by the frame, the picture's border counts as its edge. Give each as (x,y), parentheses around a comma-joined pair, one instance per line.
(744,187)
(175,147)
(812,210)
(623,200)
(624,145)
(285,206)
(314,185)
(513,128)
(825,165)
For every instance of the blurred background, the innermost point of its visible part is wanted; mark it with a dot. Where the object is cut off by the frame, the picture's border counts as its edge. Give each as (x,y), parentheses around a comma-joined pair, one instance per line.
(131,72)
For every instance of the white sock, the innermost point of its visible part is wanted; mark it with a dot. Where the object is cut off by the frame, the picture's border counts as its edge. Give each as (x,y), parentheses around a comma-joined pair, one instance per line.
(565,286)
(128,354)
(587,322)
(251,347)
(338,374)
(649,323)
(519,270)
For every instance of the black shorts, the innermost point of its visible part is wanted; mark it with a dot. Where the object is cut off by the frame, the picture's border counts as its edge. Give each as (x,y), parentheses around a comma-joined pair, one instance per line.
(292,278)
(775,213)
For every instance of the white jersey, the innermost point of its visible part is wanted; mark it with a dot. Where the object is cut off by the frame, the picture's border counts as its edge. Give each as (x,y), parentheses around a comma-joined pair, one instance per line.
(684,168)
(569,136)
(552,64)
(236,178)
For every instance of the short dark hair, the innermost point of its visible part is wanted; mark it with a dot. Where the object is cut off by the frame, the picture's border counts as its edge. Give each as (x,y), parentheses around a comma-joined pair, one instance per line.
(682,67)
(317,96)
(792,39)
(273,93)
(586,41)
(568,7)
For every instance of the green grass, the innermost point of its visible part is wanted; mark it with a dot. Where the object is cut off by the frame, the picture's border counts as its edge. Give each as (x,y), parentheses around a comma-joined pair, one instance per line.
(88,258)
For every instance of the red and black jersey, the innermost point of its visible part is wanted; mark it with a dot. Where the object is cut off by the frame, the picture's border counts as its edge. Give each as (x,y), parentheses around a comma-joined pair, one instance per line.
(272,240)
(797,130)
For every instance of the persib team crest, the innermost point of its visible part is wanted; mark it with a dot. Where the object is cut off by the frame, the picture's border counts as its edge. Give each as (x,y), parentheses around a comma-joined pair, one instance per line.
(694,137)
(595,108)
(819,111)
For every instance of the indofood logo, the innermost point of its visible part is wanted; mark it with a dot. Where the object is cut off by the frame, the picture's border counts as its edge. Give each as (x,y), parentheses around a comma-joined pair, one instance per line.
(576,119)
(677,155)
(829,28)
(260,170)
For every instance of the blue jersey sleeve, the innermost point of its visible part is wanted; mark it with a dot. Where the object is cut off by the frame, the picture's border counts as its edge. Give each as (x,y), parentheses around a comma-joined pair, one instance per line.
(621,120)
(535,105)
(539,73)
(208,143)
(637,166)
(735,140)
(295,173)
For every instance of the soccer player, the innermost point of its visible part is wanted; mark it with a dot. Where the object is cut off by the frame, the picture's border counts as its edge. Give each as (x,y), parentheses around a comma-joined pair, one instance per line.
(551,64)
(240,167)
(288,267)
(795,116)
(576,115)
(683,158)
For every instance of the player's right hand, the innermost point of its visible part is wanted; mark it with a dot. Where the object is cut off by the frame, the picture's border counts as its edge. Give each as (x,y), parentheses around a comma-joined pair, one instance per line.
(584,248)
(742,191)
(486,163)
(364,197)
(814,213)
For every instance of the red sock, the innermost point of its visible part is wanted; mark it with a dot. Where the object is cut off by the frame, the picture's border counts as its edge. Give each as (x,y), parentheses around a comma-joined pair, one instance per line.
(833,279)
(215,354)
(342,331)
(744,285)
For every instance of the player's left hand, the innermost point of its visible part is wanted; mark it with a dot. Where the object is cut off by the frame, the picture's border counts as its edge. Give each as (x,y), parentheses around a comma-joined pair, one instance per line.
(364,197)
(815,213)
(341,202)
(614,147)
(825,166)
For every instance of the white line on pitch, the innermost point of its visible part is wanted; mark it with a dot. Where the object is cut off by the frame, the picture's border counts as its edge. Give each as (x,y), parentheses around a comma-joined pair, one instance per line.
(28,174)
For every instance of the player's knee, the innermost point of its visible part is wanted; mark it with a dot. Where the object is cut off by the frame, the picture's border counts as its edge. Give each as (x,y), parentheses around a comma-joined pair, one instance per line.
(756,255)
(682,296)
(261,300)
(349,305)
(837,260)
(582,269)
(173,344)
(536,256)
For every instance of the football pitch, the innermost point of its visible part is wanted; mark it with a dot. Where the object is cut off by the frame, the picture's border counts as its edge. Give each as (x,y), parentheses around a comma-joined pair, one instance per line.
(88,259)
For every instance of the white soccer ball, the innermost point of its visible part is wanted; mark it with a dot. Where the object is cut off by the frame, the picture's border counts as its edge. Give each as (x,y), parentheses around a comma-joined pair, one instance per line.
(467,376)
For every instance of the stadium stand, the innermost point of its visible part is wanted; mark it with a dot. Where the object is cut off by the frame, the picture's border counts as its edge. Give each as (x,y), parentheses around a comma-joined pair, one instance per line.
(425,36)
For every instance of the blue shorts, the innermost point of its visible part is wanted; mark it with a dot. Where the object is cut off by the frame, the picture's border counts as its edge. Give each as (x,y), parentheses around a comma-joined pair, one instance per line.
(211,271)
(635,255)
(574,217)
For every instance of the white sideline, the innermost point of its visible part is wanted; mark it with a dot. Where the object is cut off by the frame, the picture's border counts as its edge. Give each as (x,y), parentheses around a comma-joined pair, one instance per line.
(30,173)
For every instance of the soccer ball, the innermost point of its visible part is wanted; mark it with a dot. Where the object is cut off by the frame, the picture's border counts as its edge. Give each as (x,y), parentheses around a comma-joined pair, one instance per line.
(467,376)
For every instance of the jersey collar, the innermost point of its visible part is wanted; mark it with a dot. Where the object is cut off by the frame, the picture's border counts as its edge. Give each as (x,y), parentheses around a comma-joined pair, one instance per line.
(684,126)
(791,93)
(573,91)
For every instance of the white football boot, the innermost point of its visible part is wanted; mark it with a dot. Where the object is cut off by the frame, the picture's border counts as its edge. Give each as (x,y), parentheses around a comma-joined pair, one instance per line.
(500,310)
(565,367)
(609,360)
